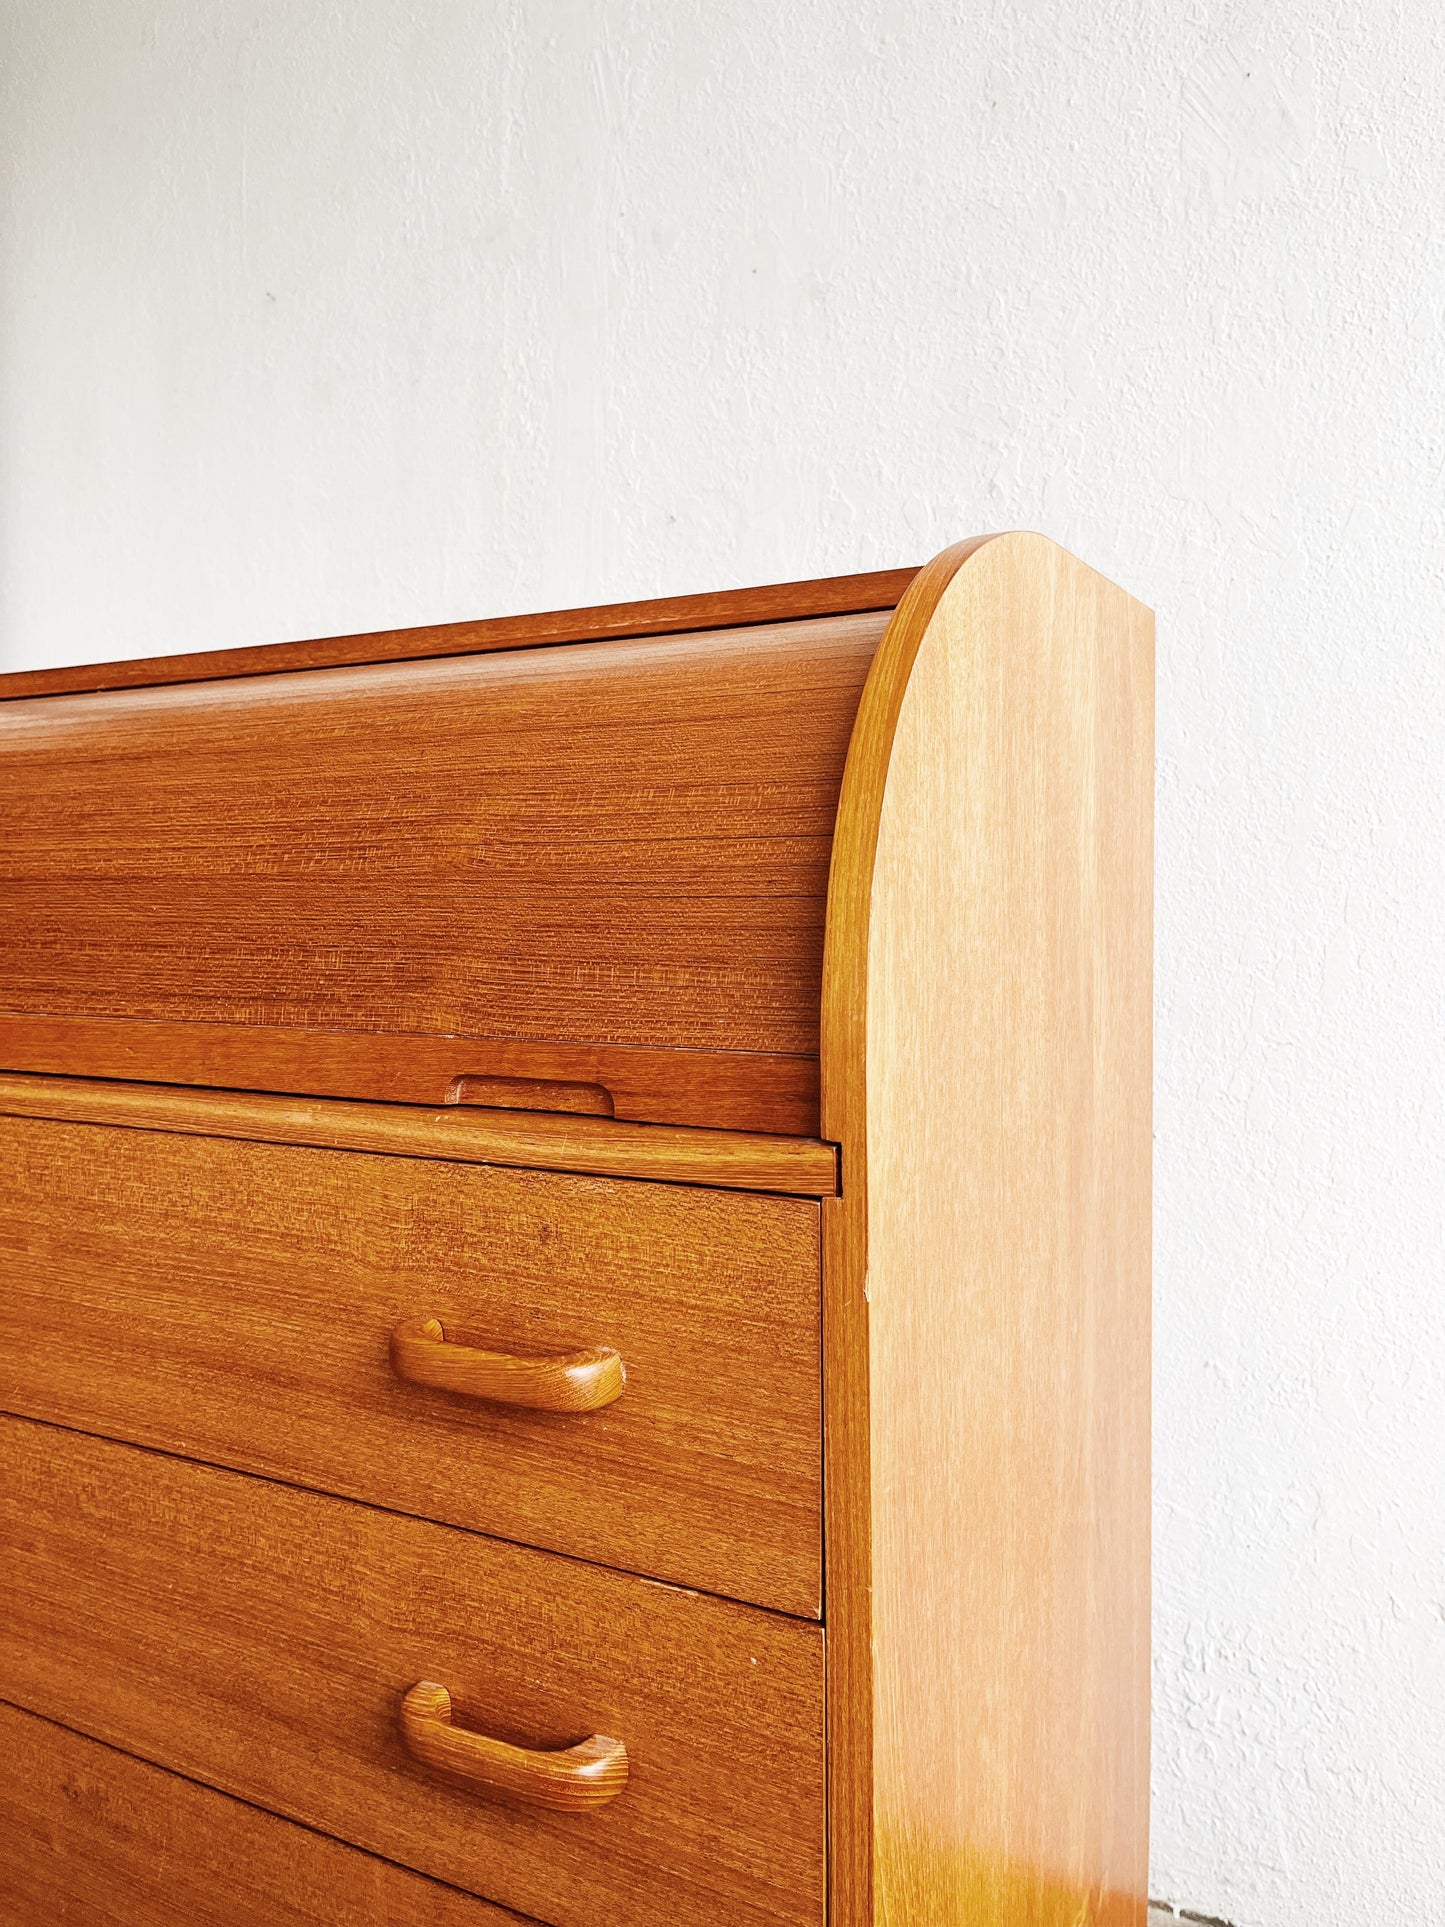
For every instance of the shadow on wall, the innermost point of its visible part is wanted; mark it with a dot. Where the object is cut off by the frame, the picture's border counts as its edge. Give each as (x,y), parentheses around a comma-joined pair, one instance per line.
(1161,1914)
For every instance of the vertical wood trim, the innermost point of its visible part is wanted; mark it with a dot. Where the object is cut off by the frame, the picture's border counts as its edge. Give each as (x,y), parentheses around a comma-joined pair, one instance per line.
(986,1064)
(846,1456)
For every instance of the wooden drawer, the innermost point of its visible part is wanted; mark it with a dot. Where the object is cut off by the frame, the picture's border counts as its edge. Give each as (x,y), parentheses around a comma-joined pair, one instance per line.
(236,1302)
(260,1639)
(90,1837)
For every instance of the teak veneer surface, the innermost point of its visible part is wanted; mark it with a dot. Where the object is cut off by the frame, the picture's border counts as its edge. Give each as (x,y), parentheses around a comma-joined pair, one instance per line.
(590,878)
(735,1160)
(749,1092)
(667,615)
(260,1639)
(986,1070)
(236,1301)
(90,1837)
(610,845)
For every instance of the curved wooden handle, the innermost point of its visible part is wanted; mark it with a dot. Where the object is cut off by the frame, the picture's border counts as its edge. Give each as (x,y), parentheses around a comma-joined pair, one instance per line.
(568,1382)
(570,1781)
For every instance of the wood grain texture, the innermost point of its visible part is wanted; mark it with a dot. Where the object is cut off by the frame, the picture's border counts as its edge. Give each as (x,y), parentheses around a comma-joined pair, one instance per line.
(90,1837)
(986,1065)
(724,609)
(259,1639)
(611,844)
(847,1450)
(235,1302)
(732,1160)
(753,1091)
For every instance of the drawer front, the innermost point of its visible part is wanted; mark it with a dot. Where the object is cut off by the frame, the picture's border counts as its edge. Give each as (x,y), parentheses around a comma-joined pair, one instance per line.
(90,1837)
(237,1302)
(260,1639)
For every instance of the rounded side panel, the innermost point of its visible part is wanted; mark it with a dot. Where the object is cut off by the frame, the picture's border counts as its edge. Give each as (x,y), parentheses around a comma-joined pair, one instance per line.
(846,1444)
(986,1069)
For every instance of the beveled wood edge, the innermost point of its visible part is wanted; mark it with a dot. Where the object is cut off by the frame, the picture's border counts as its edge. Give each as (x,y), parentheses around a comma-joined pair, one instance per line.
(847,1497)
(585,1146)
(666,615)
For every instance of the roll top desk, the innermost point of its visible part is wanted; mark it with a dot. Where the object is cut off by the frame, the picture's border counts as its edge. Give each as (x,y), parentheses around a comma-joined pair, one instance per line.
(574,1266)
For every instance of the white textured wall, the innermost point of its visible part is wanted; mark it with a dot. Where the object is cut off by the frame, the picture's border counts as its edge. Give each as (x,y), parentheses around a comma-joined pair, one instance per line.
(320,317)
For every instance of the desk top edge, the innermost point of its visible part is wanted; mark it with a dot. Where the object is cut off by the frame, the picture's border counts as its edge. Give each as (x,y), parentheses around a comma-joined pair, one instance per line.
(667,615)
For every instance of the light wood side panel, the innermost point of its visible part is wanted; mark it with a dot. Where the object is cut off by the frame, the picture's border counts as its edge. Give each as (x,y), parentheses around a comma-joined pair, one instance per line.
(90,1837)
(261,1639)
(733,1160)
(237,1302)
(986,1068)
(606,845)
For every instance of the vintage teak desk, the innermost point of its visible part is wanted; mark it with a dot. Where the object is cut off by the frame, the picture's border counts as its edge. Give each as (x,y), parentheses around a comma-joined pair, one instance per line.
(574,1334)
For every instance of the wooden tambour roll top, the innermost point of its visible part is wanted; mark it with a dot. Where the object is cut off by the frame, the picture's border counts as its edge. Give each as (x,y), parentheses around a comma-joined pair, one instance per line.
(574,1265)
(599,865)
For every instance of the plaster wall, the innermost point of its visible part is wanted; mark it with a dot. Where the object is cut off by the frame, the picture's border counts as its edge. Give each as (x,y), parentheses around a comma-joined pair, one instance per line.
(316,318)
